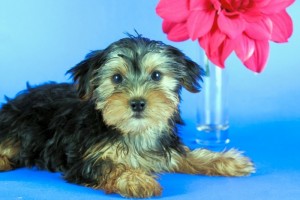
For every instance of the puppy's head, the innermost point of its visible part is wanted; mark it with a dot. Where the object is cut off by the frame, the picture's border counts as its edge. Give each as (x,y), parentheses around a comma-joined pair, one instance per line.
(135,83)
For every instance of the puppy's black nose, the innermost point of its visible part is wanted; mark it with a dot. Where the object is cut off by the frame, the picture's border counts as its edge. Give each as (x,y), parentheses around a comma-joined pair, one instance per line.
(138,105)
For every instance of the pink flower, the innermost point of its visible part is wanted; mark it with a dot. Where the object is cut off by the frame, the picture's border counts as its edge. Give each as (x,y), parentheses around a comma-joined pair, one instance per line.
(224,26)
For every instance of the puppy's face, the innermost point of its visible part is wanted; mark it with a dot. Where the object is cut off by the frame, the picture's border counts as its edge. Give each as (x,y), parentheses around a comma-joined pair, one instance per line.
(136,92)
(135,83)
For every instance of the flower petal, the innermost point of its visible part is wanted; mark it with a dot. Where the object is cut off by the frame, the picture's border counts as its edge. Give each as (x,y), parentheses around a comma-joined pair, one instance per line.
(276,6)
(232,26)
(203,4)
(260,30)
(216,39)
(226,49)
(252,16)
(176,32)
(206,43)
(260,56)
(262,3)
(195,24)
(244,48)
(212,40)
(217,47)
(215,59)
(173,10)
(282,26)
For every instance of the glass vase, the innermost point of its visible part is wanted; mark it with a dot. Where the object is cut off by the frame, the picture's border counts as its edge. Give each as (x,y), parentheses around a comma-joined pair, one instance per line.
(212,110)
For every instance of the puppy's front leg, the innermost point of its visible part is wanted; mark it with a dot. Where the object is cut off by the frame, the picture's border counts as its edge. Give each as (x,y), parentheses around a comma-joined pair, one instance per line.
(135,183)
(115,178)
(228,163)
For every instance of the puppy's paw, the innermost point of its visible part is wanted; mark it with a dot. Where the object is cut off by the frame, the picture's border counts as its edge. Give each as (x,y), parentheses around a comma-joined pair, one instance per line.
(234,163)
(137,184)
(5,164)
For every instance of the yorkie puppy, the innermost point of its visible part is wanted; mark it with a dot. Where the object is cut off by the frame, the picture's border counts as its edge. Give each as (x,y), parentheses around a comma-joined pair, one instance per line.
(115,127)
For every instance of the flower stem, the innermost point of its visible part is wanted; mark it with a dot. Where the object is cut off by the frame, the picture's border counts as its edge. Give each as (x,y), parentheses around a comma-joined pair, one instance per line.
(206,65)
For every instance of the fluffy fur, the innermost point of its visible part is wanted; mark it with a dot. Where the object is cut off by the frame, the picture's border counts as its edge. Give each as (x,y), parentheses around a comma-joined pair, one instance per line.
(95,133)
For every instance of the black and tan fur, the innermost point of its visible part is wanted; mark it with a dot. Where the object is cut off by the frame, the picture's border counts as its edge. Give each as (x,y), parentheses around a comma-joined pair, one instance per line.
(91,133)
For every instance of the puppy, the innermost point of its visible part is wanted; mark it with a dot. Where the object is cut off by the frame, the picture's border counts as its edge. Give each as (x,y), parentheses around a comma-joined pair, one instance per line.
(116,126)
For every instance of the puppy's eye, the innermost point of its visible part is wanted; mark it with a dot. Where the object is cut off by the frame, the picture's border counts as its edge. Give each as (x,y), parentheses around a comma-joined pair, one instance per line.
(117,78)
(156,76)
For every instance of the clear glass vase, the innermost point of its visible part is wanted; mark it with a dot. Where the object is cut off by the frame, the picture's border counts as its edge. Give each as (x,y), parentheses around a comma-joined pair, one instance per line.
(212,108)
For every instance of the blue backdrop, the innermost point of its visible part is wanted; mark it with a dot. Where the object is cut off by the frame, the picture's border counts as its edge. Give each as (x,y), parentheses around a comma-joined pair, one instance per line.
(41,40)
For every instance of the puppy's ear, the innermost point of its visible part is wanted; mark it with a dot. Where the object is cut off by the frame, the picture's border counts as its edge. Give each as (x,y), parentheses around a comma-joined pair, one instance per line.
(189,72)
(192,75)
(83,73)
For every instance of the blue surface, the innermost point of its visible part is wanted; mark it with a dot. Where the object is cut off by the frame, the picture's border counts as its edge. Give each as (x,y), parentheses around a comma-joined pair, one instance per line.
(40,40)
(276,158)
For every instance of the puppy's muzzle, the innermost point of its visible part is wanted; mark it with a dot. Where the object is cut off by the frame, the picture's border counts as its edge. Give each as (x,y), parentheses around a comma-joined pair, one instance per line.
(138,105)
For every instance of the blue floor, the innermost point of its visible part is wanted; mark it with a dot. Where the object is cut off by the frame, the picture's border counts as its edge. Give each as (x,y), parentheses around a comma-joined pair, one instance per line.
(273,146)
